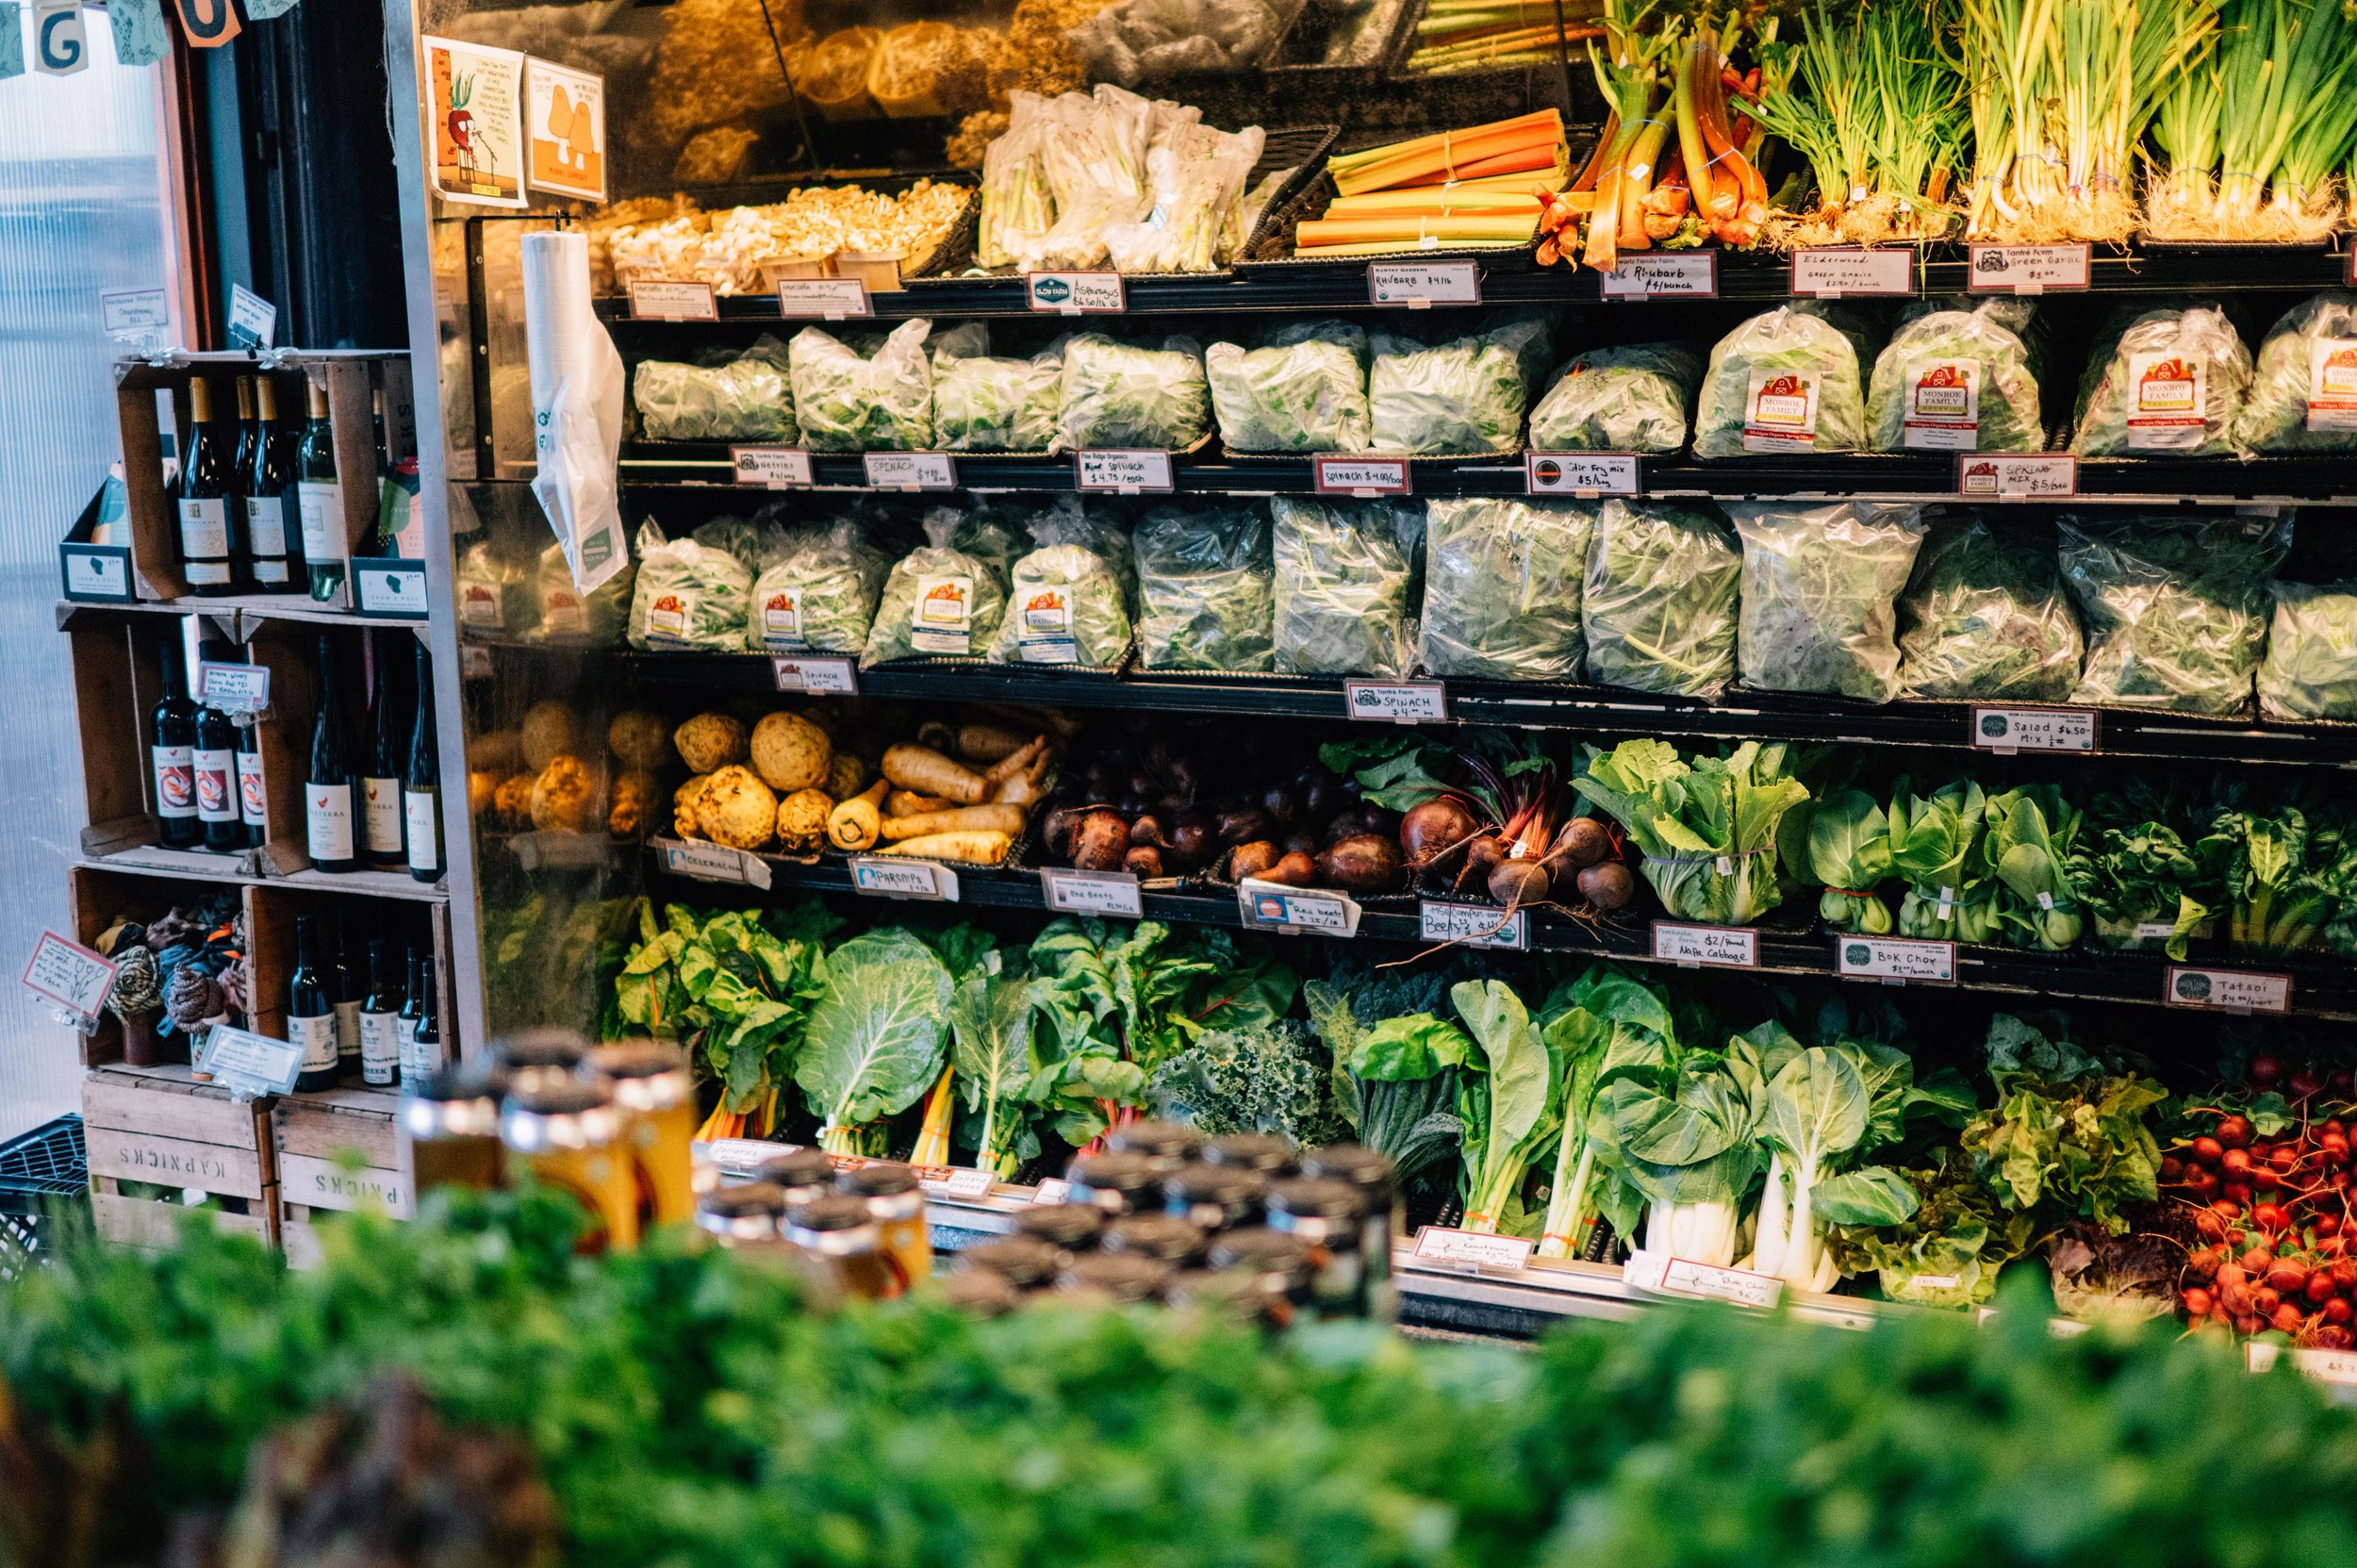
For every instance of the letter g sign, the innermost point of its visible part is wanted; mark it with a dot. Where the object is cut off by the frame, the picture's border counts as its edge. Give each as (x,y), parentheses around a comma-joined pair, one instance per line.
(58,46)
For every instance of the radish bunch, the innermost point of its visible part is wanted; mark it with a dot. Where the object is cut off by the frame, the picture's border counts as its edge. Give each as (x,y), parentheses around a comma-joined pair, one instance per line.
(2272,1215)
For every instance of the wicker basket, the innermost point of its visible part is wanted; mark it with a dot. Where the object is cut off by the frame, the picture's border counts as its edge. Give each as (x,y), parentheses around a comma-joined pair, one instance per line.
(834,75)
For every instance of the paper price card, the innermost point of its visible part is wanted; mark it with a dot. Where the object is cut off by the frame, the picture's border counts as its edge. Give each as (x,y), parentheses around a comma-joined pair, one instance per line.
(1992,476)
(252,320)
(1125,471)
(1580,473)
(1421,284)
(970,1186)
(771,468)
(233,687)
(2325,1367)
(833,677)
(70,975)
(1271,906)
(1904,960)
(716,863)
(831,299)
(911,470)
(2029,268)
(744,1156)
(1685,274)
(1074,294)
(2226,990)
(1114,893)
(895,878)
(2008,730)
(1396,701)
(1361,476)
(1711,946)
(1475,925)
(245,1063)
(1661,1273)
(1440,1244)
(669,300)
(1054,1190)
(1841,272)
(132,314)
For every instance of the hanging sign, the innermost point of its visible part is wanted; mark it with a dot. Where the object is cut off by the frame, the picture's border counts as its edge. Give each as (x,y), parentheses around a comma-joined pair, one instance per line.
(208,24)
(565,128)
(138,29)
(476,107)
(11,41)
(59,46)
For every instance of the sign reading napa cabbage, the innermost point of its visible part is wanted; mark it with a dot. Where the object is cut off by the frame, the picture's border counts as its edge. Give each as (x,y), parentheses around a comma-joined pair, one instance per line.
(876,1039)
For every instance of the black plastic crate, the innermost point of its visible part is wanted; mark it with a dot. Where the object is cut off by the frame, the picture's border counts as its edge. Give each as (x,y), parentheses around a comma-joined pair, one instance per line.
(40,1172)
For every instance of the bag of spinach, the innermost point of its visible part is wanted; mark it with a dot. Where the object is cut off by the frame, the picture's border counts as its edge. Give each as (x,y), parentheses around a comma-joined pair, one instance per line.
(1066,604)
(986,403)
(1788,381)
(2175,607)
(1305,390)
(1460,397)
(1345,585)
(2163,380)
(1629,399)
(743,397)
(1207,582)
(879,400)
(1659,605)
(2311,666)
(1820,595)
(1988,618)
(2303,395)
(1501,588)
(939,600)
(1118,396)
(820,595)
(689,595)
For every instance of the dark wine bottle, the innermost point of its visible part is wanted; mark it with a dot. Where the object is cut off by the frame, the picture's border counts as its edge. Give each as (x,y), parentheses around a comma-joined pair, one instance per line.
(327,795)
(252,793)
(379,780)
(311,1011)
(215,758)
(380,1019)
(349,988)
(206,499)
(171,752)
(412,1013)
(266,468)
(425,1041)
(320,500)
(422,783)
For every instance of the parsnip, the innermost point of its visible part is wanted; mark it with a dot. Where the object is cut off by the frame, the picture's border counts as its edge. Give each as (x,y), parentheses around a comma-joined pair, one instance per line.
(928,773)
(907,803)
(855,824)
(1014,762)
(1026,788)
(983,848)
(1005,820)
(987,743)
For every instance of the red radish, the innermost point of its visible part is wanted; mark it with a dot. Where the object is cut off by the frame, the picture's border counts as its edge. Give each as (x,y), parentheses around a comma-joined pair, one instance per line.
(2237,1299)
(2328,1225)
(2289,1319)
(2288,1276)
(2265,1070)
(2284,1157)
(2338,1309)
(2233,1132)
(2231,1274)
(2335,1147)
(2344,1275)
(2264,1180)
(2236,1192)
(2336,1126)
(2210,1222)
(2208,1150)
(2235,1161)
(2202,1265)
(2270,1216)
(2201,1183)
(2319,1288)
(2265,1299)
(2171,1167)
(2331,1336)
(2197,1303)
(2258,1260)
(2246,1325)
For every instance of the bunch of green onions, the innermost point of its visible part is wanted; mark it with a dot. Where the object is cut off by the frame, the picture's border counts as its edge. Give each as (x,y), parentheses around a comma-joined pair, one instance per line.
(2253,134)
(1484,35)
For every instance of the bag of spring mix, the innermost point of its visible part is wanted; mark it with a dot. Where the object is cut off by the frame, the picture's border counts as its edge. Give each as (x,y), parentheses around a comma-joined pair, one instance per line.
(1629,399)
(1066,604)
(2175,607)
(1788,381)
(1501,587)
(1305,390)
(820,594)
(938,602)
(597,619)
(689,595)
(1460,397)
(1987,617)
(2168,379)
(1208,583)
(2311,666)
(1115,395)
(2303,395)
(987,403)
(1960,379)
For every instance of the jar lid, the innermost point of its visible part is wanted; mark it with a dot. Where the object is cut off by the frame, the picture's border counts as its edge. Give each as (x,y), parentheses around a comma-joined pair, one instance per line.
(830,1213)
(1261,1250)
(882,1179)
(1233,1294)
(548,1045)
(1265,1152)
(1373,1174)
(1025,1260)
(639,1059)
(1073,1226)
(1162,1140)
(1315,1198)
(1225,1185)
(745,1199)
(1164,1237)
(558,1096)
(1120,1276)
(981,1293)
(1118,1175)
(802,1167)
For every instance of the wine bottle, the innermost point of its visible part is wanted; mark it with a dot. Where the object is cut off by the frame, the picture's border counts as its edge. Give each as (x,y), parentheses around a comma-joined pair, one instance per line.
(320,502)
(327,793)
(425,1041)
(380,1019)
(266,472)
(380,782)
(311,1011)
(252,796)
(204,497)
(412,1013)
(348,992)
(215,758)
(173,751)
(422,783)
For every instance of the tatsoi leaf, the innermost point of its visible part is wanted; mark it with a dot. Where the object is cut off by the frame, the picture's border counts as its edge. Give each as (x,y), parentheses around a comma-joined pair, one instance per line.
(1398,1049)
(876,1039)
(1875,1196)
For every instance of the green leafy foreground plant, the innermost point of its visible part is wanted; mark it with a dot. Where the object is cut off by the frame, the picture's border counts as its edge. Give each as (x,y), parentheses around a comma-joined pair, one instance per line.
(1707,829)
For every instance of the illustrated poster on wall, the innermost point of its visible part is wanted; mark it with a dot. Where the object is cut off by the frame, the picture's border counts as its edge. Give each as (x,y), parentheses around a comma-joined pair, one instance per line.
(474,102)
(565,131)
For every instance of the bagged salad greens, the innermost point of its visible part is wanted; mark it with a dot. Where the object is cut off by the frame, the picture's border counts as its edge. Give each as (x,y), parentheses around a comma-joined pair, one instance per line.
(1345,585)
(689,595)
(493,591)
(2163,380)
(1459,396)
(755,541)
(1305,390)
(1987,617)
(2311,666)
(984,403)
(1788,381)
(597,620)
(1118,396)
(1820,596)
(820,594)
(938,602)
(2303,395)
(742,397)
(1067,603)
(1962,378)
(1206,580)
(997,534)
(1659,604)
(1501,588)
(1630,399)
(853,401)
(2175,607)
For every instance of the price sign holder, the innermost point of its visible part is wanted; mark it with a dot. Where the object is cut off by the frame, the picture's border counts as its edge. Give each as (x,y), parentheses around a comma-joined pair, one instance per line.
(1364,477)
(771,468)
(1396,701)
(1584,474)
(1474,925)
(666,300)
(831,299)
(910,470)
(817,676)
(962,1183)
(1998,476)
(1070,892)
(1693,947)
(2006,730)
(1895,960)
(1422,285)
(1662,274)
(1660,1274)
(1851,271)
(234,688)
(389,589)
(2238,991)
(2030,269)
(1054,1190)
(1474,1250)
(71,978)
(716,863)
(251,1066)
(890,877)
(1124,471)
(1074,294)
(1295,911)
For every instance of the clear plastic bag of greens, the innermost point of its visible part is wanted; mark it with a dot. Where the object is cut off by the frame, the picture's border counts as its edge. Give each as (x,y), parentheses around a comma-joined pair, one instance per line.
(567,616)
(1629,399)
(1018,203)
(2175,607)
(1206,580)
(2303,395)
(938,602)
(1501,588)
(1115,395)
(1460,397)
(1987,617)
(1345,586)
(2311,666)
(984,403)
(755,541)
(1821,595)
(820,595)
(2167,379)
(689,595)
(1066,604)
(1791,380)
(1961,379)
(1659,604)
(1306,390)
(854,402)
(743,397)
(494,592)
(996,533)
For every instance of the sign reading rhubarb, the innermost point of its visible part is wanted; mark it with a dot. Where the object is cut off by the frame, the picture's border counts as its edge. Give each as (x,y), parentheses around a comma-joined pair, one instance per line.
(1662,274)
(1421,284)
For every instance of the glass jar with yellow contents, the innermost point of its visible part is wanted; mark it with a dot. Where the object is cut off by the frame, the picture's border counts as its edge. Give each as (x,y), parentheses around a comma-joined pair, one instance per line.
(656,1096)
(897,1203)
(838,1231)
(568,1133)
(450,1130)
(749,1212)
(802,1174)
(543,1055)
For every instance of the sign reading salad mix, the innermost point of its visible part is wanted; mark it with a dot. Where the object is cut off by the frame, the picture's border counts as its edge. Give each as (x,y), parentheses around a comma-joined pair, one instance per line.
(1780,414)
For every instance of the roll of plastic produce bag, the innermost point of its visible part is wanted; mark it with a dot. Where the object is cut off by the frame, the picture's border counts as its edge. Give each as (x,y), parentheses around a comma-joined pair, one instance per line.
(576,408)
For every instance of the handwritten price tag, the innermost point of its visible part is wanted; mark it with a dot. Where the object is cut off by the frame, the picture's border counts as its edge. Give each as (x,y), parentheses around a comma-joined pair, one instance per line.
(2029,268)
(1994,476)
(1396,701)
(1580,473)
(245,1063)
(1361,476)
(911,470)
(70,975)
(1904,960)
(1475,925)
(233,687)
(1271,906)
(716,863)
(2226,990)
(1074,294)
(895,878)
(1664,1275)
(1713,947)
(830,677)
(1422,285)
(771,468)
(967,1186)
(2008,730)
(831,299)
(2324,1366)
(1691,275)
(1477,1249)
(1837,272)
(1125,471)
(1070,892)
(667,301)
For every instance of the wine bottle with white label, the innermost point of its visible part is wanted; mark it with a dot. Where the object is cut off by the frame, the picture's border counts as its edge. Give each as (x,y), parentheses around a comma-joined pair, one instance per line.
(266,468)
(252,791)
(412,1013)
(214,757)
(311,1011)
(328,806)
(379,780)
(349,987)
(205,501)
(320,502)
(426,1056)
(422,783)
(380,1019)
(172,751)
